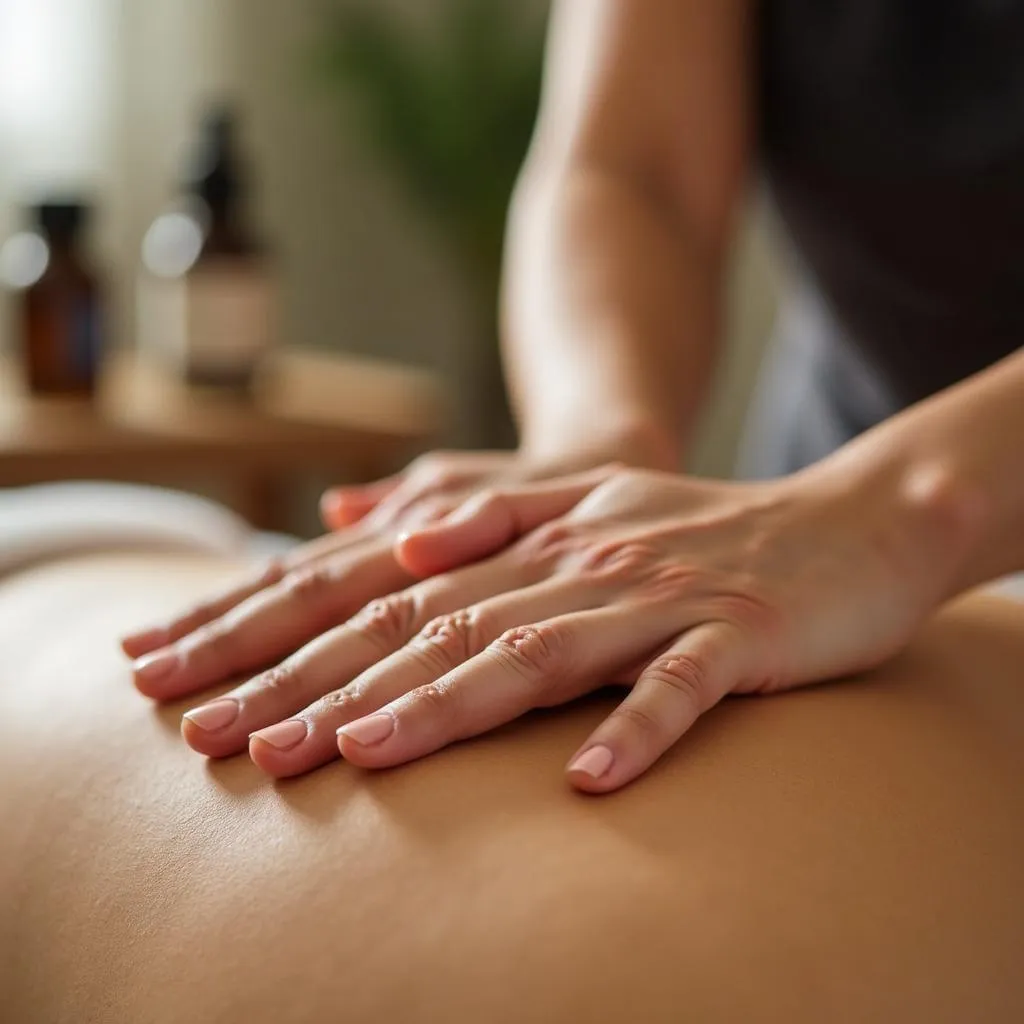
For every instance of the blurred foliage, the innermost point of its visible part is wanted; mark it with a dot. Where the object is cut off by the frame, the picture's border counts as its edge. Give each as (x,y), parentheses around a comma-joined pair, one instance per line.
(451,110)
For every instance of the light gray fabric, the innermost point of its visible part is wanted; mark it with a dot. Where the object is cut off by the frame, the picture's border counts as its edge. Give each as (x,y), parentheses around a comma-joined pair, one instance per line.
(811,397)
(1012,586)
(54,520)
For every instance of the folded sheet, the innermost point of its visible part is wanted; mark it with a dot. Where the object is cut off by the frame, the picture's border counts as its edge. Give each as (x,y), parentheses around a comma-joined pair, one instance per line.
(53,520)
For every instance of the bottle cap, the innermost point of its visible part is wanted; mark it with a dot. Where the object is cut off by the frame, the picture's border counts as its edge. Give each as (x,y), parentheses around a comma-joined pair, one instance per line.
(215,174)
(61,221)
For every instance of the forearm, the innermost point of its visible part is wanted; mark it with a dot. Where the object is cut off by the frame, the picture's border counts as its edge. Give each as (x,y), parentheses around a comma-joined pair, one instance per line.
(610,317)
(961,452)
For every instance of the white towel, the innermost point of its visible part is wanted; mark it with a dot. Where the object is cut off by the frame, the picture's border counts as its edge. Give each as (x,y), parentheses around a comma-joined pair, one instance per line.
(53,520)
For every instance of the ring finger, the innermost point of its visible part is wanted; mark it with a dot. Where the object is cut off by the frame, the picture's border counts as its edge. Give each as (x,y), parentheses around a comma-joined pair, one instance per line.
(528,667)
(448,640)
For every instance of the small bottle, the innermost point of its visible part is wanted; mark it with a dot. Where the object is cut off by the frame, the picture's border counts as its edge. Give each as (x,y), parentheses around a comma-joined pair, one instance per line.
(206,298)
(58,302)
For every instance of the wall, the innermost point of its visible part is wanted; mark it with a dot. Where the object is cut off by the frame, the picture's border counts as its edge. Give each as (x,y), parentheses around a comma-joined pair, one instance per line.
(361,270)
(58,80)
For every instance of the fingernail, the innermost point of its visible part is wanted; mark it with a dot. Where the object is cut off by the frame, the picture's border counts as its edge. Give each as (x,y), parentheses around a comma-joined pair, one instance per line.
(284,735)
(147,638)
(214,717)
(368,731)
(154,667)
(594,762)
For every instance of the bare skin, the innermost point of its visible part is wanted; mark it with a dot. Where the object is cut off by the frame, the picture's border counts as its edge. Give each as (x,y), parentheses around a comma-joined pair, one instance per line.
(690,589)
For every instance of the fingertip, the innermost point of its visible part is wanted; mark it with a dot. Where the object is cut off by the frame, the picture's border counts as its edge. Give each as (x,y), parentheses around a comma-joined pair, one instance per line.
(203,742)
(131,648)
(595,770)
(192,735)
(148,688)
(340,508)
(153,672)
(350,751)
(584,783)
(271,760)
(332,511)
(361,755)
(135,645)
(416,553)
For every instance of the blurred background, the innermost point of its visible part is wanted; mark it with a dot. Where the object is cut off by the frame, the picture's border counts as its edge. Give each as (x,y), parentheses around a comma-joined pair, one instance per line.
(373,148)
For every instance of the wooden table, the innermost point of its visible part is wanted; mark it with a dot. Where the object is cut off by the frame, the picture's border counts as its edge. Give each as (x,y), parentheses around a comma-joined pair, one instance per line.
(312,414)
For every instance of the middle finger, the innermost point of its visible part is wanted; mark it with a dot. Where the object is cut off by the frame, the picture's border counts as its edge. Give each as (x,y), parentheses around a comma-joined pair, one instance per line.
(447,641)
(222,727)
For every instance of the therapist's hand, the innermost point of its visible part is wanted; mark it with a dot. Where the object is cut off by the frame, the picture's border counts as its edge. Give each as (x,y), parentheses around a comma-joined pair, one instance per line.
(684,590)
(326,581)
(321,583)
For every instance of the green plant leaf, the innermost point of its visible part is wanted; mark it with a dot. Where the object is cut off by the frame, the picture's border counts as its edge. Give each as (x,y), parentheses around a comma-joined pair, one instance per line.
(452,113)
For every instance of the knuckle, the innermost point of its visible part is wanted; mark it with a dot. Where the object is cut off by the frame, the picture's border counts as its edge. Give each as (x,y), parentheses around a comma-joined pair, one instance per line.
(547,544)
(686,675)
(620,561)
(669,583)
(434,473)
(425,511)
(281,678)
(387,622)
(310,585)
(438,699)
(344,702)
(639,720)
(273,572)
(538,653)
(450,639)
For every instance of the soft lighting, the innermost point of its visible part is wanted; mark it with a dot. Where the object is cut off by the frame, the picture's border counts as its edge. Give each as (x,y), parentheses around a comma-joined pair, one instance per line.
(56,81)
(172,245)
(23,260)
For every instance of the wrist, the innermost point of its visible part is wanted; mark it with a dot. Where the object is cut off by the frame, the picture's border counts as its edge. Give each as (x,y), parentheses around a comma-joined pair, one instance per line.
(924,517)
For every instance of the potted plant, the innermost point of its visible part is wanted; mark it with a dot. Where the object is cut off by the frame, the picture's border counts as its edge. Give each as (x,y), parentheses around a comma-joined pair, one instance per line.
(451,112)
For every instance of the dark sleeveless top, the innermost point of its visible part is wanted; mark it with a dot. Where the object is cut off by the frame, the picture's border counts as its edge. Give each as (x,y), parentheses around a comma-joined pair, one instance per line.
(892,143)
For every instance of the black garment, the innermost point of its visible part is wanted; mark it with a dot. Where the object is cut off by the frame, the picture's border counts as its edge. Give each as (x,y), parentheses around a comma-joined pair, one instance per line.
(892,141)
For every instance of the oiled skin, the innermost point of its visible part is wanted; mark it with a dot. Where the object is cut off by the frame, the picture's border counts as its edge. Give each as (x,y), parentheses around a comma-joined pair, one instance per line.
(852,852)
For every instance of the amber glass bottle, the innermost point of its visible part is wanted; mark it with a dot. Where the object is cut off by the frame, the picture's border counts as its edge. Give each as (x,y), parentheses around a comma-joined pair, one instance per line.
(61,311)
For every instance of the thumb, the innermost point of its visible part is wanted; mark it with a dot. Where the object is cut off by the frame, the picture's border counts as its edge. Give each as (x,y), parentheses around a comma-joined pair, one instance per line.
(343,506)
(489,522)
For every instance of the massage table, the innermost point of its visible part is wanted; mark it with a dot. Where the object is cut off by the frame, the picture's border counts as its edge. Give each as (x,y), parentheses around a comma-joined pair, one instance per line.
(852,852)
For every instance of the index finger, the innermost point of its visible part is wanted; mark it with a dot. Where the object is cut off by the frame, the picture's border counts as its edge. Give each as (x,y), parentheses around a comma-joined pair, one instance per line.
(272,623)
(145,641)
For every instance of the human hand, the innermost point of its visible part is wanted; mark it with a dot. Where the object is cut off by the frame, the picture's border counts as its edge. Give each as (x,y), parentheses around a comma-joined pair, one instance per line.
(321,583)
(684,590)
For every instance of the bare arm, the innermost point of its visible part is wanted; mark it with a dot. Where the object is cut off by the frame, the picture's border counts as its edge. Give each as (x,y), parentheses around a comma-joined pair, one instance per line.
(959,452)
(622,220)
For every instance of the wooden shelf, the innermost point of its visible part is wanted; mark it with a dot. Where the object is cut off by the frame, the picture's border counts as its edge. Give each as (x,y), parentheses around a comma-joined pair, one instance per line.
(311,413)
